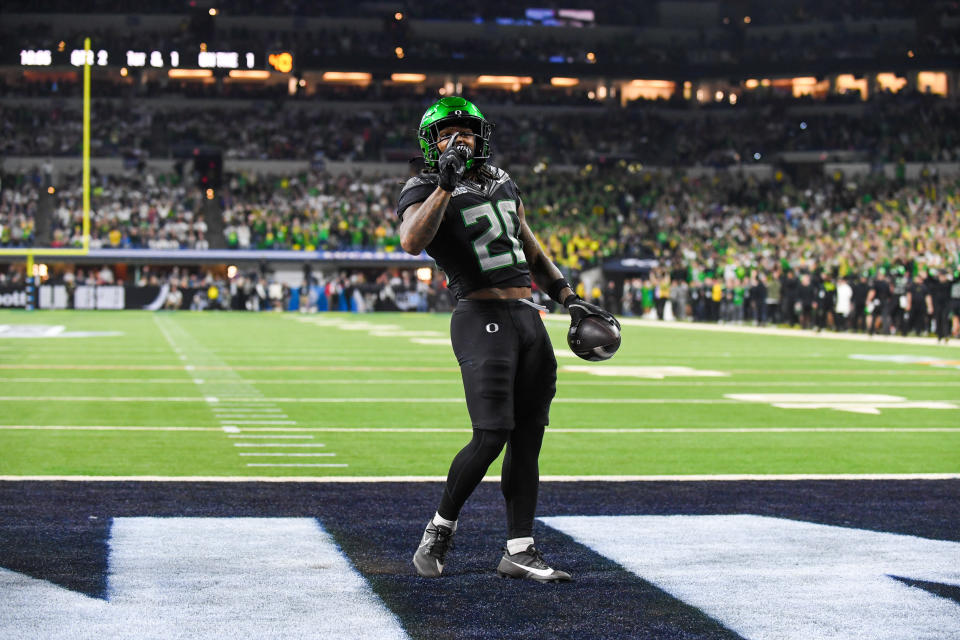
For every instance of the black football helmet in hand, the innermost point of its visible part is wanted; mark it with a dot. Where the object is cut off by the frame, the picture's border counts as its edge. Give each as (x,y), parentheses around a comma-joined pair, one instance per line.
(594,333)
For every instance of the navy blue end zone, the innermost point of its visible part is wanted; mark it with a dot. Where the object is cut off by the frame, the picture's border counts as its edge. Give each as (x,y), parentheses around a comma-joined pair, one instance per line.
(58,531)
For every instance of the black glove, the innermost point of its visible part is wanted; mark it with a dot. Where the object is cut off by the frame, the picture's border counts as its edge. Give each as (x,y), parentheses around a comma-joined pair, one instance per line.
(452,164)
(578,308)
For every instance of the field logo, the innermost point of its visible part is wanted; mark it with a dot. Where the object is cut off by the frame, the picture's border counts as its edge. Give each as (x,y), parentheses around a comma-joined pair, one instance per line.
(767,578)
(904,359)
(868,403)
(207,578)
(49,331)
(650,373)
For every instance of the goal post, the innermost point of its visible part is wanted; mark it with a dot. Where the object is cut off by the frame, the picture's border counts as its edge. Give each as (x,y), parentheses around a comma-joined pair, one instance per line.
(30,252)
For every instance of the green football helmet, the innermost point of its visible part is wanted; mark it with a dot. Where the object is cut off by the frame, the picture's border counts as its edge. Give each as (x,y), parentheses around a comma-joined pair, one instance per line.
(454,110)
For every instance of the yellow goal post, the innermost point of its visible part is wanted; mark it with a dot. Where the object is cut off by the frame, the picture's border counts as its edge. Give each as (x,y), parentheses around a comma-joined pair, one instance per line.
(30,252)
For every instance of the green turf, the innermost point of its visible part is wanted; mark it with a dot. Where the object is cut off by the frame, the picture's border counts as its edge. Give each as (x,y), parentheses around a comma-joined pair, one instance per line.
(330,371)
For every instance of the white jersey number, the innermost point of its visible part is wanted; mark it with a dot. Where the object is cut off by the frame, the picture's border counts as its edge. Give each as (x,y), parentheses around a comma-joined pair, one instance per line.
(501,221)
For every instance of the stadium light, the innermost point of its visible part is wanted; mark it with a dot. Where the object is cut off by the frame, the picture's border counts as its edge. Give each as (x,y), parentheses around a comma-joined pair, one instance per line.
(654,84)
(564,82)
(190,73)
(932,82)
(891,82)
(346,76)
(408,77)
(511,80)
(249,74)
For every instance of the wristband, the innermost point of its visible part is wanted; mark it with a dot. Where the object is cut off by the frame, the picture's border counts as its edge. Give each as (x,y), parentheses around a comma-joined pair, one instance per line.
(555,287)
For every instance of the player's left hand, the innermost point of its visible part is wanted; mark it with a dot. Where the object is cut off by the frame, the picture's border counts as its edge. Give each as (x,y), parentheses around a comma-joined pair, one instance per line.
(452,164)
(579,308)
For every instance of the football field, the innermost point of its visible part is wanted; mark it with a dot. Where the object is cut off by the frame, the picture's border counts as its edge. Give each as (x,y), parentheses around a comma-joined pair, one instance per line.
(240,475)
(144,394)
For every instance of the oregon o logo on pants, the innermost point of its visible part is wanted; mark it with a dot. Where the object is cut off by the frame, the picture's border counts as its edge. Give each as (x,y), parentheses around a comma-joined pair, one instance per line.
(493,327)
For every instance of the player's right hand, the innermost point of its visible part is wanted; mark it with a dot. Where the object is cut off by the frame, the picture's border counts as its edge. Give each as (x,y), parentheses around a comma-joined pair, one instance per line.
(452,164)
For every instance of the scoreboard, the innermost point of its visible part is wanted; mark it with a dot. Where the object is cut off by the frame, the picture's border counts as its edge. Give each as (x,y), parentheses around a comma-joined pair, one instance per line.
(201,58)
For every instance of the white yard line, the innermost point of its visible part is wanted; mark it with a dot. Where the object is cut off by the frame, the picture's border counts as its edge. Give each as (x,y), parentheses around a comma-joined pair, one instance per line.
(238,422)
(294,464)
(566,380)
(176,367)
(268,432)
(271,436)
(458,400)
(237,401)
(279,444)
(549,478)
(289,455)
(421,401)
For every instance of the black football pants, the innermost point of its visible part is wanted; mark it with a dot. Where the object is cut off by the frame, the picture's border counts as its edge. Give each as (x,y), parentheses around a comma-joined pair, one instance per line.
(509,378)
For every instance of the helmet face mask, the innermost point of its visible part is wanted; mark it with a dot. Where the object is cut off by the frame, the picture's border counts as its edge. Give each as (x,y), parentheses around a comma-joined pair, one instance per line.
(454,111)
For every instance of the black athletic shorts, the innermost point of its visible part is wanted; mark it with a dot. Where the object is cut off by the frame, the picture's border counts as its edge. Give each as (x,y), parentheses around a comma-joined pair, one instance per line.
(507,363)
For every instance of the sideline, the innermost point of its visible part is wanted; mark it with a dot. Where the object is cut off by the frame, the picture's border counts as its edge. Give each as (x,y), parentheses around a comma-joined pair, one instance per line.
(772,331)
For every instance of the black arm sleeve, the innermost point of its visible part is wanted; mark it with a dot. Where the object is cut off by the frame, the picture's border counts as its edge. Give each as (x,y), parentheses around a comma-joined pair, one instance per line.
(416,190)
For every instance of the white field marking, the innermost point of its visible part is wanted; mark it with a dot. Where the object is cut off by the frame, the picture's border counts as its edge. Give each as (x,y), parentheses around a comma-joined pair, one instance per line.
(869,404)
(564,353)
(242,404)
(770,578)
(100,427)
(316,320)
(290,455)
(164,367)
(654,373)
(270,436)
(392,333)
(216,578)
(364,326)
(594,430)
(372,400)
(772,477)
(211,399)
(456,380)
(295,464)
(767,331)
(432,341)
(581,430)
(279,444)
(238,422)
(903,359)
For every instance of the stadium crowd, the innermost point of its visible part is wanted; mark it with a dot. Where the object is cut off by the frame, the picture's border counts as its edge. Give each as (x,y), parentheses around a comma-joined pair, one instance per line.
(722,243)
(889,128)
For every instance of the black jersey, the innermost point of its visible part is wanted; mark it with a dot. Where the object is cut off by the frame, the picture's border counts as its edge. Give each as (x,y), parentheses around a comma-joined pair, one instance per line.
(478,242)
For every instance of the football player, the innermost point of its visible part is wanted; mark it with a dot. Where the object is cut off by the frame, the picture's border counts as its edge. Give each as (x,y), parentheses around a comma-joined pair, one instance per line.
(467,214)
